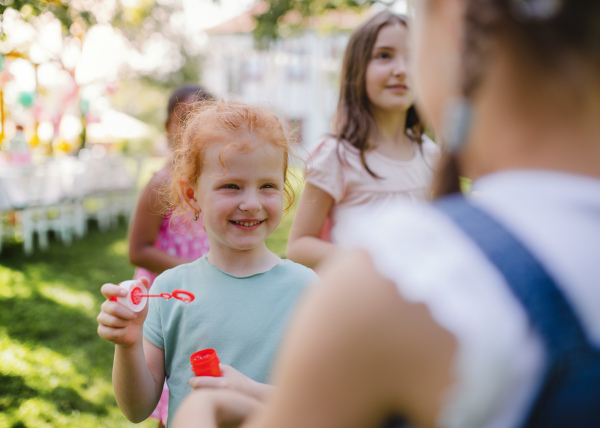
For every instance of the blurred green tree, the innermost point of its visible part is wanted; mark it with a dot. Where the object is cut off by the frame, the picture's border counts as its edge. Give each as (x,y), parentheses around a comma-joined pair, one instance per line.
(139,21)
(269,22)
(149,26)
(63,11)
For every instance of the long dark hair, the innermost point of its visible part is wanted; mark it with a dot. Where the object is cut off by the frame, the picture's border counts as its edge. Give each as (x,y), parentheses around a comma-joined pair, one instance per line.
(551,41)
(354,121)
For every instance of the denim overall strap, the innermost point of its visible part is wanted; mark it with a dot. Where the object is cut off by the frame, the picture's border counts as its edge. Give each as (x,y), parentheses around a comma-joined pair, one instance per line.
(545,304)
(570,394)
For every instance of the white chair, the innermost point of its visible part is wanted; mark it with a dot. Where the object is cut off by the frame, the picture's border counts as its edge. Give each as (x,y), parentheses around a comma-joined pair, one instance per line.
(110,184)
(72,174)
(94,193)
(47,206)
(122,187)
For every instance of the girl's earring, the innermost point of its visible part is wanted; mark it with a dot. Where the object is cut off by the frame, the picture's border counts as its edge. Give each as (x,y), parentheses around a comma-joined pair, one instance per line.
(196,216)
(456,123)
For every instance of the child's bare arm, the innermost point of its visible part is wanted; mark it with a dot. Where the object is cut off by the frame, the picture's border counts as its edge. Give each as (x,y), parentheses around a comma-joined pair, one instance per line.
(215,408)
(233,380)
(138,378)
(138,370)
(144,229)
(305,245)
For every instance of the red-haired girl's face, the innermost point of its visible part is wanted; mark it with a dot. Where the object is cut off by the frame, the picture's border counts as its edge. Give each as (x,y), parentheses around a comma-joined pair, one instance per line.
(386,78)
(242,199)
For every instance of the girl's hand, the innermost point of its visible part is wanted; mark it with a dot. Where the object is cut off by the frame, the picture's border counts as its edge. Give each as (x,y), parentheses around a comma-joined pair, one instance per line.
(215,408)
(117,323)
(233,380)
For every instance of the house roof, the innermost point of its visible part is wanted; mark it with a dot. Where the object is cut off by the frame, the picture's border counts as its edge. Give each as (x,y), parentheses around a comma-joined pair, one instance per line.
(245,23)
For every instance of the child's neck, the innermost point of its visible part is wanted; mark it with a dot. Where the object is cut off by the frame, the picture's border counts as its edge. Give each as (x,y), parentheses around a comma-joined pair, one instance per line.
(390,129)
(389,138)
(242,262)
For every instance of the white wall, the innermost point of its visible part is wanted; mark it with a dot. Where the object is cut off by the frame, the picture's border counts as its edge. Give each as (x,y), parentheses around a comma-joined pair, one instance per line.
(298,78)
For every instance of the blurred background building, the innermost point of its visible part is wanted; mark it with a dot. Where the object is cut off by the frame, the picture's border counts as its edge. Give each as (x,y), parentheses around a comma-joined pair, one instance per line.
(295,76)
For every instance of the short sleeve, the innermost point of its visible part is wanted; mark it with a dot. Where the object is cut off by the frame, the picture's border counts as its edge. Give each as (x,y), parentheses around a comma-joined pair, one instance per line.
(431,152)
(325,169)
(431,261)
(153,329)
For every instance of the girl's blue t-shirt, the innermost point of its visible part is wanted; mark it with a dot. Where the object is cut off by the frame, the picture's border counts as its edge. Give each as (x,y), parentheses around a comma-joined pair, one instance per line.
(242,318)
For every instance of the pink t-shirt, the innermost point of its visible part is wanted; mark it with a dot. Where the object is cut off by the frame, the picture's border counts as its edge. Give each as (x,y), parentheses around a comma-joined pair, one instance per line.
(353,188)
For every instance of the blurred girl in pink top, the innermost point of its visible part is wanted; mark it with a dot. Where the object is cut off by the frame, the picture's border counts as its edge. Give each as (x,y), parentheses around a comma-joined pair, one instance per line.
(377,153)
(158,242)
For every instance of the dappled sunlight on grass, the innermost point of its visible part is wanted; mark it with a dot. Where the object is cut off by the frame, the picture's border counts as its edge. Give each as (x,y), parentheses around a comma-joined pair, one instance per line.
(12,284)
(42,367)
(68,297)
(45,388)
(55,371)
(120,248)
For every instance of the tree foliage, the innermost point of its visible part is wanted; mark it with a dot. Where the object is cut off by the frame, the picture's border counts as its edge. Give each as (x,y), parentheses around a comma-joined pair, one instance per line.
(63,11)
(269,22)
(142,23)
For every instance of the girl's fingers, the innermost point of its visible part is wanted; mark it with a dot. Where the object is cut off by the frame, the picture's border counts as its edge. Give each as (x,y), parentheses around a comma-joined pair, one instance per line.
(112,321)
(145,281)
(208,382)
(112,290)
(117,310)
(111,334)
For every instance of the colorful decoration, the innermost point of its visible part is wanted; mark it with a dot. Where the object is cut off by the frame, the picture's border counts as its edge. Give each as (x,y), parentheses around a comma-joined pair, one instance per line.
(85,106)
(26,99)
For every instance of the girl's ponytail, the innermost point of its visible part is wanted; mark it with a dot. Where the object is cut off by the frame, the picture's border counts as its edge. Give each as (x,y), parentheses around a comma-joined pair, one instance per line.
(447,177)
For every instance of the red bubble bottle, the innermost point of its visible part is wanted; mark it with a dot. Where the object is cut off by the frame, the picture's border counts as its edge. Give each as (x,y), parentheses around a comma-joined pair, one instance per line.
(206,363)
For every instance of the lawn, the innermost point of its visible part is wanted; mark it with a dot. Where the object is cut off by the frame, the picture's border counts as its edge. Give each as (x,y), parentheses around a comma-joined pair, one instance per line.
(54,369)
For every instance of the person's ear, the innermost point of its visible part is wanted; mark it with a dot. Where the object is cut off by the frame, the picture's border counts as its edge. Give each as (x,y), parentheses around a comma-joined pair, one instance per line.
(188,193)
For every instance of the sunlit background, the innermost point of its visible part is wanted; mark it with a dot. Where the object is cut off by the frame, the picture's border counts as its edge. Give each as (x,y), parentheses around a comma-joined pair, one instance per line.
(83,92)
(108,66)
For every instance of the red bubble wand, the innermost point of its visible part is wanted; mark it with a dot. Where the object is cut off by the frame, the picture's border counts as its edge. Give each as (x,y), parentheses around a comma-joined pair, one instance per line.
(137,296)
(184,296)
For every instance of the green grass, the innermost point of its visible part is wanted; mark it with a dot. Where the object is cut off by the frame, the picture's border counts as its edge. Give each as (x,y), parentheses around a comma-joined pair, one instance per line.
(55,371)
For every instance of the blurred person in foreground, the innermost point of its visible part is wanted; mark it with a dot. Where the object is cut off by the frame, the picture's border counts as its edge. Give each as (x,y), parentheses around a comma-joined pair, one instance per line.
(466,313)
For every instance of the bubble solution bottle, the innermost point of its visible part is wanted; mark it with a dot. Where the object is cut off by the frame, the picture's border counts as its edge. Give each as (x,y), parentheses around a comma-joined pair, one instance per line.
(205,363)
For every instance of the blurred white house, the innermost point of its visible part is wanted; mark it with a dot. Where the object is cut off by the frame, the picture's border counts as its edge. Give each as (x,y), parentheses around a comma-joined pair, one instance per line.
(297,77)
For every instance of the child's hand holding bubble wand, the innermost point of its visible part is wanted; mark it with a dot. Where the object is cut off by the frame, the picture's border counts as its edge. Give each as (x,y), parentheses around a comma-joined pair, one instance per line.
(122,323)
(137,297)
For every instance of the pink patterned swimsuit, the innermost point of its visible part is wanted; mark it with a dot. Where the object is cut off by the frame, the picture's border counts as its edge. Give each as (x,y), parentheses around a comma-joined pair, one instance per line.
(183,238)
